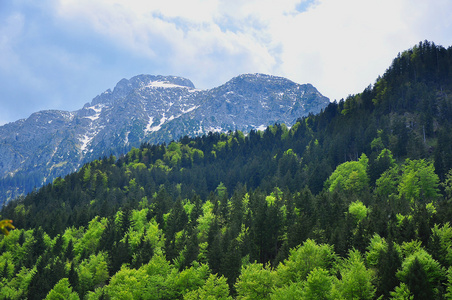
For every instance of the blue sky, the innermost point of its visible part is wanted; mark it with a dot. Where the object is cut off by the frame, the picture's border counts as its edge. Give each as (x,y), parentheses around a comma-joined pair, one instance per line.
(59,54)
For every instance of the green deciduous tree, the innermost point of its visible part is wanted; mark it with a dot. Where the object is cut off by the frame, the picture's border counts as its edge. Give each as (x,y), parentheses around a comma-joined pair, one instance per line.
(358,211)
(292,291)
(401,292)
(440,244)
(214,288)
(255,282)
(356,280)
(303,260)
(318,285)
(62,291)
(350,176)
(387,183)
(421,273)
(92,273)
(375,249)
(418,181)
(127,284)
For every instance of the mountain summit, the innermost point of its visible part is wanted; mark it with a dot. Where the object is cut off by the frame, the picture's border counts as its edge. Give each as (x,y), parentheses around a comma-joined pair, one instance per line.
(145,108)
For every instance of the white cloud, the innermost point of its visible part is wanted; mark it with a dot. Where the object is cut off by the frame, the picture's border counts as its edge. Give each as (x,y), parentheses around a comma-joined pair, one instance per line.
(185,37)
(339,46)
(342,46)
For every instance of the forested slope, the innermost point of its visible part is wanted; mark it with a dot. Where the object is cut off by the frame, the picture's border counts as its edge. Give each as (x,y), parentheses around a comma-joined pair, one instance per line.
(354,202)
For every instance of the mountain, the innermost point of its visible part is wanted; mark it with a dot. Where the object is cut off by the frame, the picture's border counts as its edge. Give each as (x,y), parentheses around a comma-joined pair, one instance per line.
(145,108)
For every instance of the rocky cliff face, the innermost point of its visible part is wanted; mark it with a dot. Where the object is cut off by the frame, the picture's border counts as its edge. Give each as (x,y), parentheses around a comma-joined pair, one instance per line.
(145,108)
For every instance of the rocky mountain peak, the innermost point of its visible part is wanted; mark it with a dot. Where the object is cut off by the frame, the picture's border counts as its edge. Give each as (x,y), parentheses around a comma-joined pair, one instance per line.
(144,108)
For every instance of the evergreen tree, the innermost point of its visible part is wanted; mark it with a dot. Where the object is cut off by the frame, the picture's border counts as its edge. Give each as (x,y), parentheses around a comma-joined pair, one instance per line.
(388,264)
(418,282)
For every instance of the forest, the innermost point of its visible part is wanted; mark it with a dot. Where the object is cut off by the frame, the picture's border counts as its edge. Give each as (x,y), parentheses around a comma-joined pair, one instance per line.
(352,203)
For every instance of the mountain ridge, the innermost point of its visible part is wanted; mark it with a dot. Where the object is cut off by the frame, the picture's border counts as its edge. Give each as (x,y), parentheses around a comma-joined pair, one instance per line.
(144,108)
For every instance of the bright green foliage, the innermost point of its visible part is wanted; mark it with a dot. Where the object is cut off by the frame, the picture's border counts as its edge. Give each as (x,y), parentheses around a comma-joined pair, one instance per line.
(188,207)
(443,236)
(255,282)
(387,154)
(221,190)
(358,210)
(17,288)
(449,284)
(418,181)
(273,197)
(350,176)
(93,272)
(318,285)
(204,220)
(156,280)
(410,248)
(127,284)
(303,260)
(270,199)
(143,231)
(401,292)
(409,186)
(433,270)
(154,234)
(6,264)
(356,280)
(447,184)
(90,239)
(86,173)
(374,250)
(157,272)
(377,144)
(173,154)
(62,291)
(189,279)
(292,291)
(141,166)
(431,209)
(414,180)
(158,266)
(214,288)
(139,224)
(388,182)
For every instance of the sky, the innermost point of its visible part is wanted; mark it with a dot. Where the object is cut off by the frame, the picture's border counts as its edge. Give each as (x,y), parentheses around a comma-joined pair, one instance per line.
(60,54)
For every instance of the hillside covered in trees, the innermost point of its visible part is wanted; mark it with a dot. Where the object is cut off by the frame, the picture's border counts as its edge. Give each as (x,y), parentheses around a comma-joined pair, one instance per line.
(352,203)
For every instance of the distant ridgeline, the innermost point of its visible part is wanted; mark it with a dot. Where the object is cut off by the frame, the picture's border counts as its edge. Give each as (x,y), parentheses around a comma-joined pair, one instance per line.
(350,203)
(153,109)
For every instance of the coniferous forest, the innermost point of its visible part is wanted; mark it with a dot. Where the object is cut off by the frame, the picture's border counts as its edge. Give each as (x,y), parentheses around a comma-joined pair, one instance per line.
(352,203)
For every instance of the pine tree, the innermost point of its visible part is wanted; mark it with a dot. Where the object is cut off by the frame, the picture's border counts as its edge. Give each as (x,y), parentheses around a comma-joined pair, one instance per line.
(69,252)
(387,268)
(73,276)
(418,283)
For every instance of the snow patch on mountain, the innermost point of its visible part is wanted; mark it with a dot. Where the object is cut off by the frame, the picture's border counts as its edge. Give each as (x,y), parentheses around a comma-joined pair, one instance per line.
(190,109)
(164,84)
(149,125)
(260,127)
(215,129)
(85,140)
(97,111)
